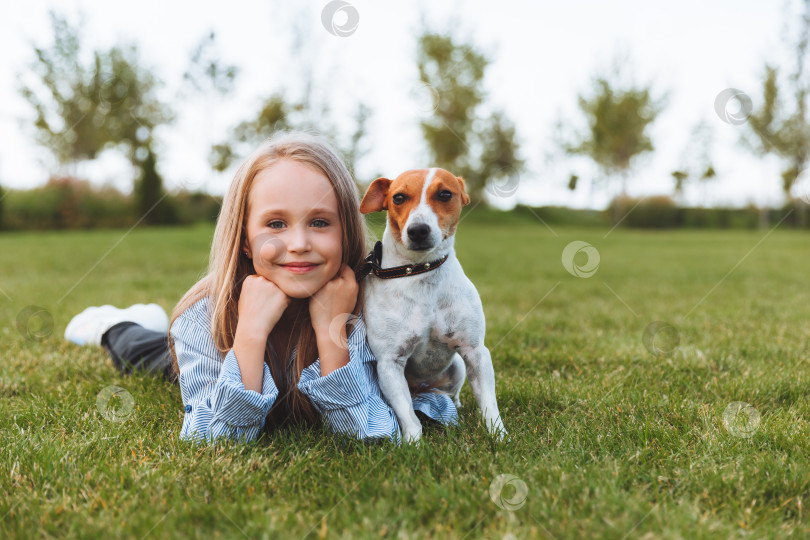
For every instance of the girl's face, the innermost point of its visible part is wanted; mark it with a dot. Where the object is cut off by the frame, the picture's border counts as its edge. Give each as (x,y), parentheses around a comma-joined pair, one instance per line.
(292,216)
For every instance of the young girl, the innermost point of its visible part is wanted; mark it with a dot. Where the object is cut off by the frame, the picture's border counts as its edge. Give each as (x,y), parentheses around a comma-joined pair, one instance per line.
(280,273)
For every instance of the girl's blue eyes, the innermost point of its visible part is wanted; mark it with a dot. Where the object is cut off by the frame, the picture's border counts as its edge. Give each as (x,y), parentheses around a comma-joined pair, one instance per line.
(325,223)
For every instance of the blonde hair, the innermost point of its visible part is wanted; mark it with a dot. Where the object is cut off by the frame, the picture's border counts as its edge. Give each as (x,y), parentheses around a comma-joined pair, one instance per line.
(228,267)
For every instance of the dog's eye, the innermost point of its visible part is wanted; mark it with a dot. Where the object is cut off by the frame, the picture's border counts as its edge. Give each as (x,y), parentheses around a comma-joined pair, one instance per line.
(445,195)
(399,198)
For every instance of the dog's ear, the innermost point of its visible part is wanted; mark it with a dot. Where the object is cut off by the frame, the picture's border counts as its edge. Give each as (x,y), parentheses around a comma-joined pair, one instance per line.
(465,199)
(376,197)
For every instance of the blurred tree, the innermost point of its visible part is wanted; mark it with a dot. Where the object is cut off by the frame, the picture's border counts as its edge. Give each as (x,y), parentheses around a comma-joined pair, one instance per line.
(277,112)
(696,162)
(2,196)
(109,104)
(153,205)
(680,178)
(781,126)
(477,149)
(355,149)
(210,77)
(206,72)
(273,116)
(618,118)
(70,131)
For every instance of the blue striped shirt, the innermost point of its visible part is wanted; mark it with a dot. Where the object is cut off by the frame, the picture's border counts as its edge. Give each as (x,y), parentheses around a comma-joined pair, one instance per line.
(349,398)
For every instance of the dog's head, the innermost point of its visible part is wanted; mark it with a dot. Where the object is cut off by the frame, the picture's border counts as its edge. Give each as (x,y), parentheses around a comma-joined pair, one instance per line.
(423,205)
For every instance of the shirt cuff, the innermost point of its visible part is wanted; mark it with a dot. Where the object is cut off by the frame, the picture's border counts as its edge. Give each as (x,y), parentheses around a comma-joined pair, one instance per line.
(437,406)
(346,386)
(237,406)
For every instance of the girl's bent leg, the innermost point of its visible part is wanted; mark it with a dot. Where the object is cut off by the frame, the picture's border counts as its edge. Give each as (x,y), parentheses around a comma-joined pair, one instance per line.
(133,347)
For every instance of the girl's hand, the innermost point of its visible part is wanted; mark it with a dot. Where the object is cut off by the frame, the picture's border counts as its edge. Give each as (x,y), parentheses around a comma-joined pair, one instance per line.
(261,305)
(337,298)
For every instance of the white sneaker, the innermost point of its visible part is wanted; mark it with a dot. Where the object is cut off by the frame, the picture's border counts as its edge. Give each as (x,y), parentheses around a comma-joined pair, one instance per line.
(87,327)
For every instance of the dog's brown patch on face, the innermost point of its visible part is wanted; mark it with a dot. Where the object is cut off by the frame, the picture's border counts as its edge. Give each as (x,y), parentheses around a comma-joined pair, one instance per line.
(408,186)
(447,211)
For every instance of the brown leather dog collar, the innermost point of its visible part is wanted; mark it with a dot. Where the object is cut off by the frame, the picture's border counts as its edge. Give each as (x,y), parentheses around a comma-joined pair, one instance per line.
(372,264)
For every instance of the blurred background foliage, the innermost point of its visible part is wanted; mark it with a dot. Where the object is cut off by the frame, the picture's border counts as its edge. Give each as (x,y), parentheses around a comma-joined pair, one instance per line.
(85,104)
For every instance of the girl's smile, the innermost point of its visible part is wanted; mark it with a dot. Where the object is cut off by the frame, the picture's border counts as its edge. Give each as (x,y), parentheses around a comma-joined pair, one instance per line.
(297,268)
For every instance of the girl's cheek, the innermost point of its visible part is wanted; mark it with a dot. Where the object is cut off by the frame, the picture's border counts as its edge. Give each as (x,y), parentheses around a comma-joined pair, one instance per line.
(270,247)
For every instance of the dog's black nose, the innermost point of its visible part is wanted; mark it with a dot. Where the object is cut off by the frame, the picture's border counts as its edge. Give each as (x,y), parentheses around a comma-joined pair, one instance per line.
(418,232)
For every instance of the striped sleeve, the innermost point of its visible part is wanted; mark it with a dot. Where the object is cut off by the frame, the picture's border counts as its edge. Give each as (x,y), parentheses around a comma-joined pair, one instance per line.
(349,398)
(216,402)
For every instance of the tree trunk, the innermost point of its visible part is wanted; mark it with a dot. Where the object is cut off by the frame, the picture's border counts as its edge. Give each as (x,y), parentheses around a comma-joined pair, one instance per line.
(618,206)
(764,218)
(801,213)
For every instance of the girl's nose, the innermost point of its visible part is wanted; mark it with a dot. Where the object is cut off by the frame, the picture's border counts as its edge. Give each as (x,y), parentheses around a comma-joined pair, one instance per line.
(298,238)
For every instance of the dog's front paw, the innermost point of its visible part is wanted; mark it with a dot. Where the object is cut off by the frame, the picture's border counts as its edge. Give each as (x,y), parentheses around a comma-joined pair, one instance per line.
(412,436)
(498,431)
(501,436)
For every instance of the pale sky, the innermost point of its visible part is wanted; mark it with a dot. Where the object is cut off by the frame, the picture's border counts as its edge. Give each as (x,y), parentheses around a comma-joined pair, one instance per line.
(543,54)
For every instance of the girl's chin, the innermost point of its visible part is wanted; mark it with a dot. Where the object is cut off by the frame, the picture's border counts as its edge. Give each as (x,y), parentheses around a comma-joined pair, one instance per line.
(299,295)
(299,290)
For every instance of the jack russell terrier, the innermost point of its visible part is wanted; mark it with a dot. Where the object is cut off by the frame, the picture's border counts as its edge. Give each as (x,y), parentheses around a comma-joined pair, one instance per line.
(428,329)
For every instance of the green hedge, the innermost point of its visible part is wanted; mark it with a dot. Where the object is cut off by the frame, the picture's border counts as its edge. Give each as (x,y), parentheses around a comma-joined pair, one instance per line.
(661,212)
(68,203)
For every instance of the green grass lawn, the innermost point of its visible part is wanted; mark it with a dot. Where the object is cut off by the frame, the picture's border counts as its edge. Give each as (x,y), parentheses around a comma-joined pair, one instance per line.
(609,440)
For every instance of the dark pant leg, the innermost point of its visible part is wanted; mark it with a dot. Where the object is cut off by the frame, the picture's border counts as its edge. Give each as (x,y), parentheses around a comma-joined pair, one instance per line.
(133,347)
